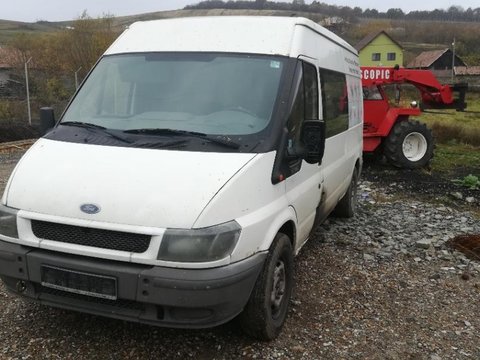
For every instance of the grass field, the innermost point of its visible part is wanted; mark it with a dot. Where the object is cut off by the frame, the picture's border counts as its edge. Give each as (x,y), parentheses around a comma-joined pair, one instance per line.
(9,29)
(448,158)
(450,126)
(457,136)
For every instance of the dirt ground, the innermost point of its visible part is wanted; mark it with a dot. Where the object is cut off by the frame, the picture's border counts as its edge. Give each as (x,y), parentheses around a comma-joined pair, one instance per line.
(365,289)
(429,185)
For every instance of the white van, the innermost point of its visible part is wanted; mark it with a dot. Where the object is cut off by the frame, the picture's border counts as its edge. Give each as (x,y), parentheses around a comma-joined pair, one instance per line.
(186,173)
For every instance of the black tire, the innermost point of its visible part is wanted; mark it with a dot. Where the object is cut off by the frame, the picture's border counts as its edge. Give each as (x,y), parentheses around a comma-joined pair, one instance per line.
(410,145)
(263,318)
(347,204)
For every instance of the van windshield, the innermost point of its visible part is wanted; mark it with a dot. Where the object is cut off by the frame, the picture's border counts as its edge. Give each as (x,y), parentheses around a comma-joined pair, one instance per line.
(214,94)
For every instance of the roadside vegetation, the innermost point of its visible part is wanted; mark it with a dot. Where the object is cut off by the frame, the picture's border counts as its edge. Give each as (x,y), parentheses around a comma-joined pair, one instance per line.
(457,137)
(456,157)
(470,181)
(455,127)
(55,58)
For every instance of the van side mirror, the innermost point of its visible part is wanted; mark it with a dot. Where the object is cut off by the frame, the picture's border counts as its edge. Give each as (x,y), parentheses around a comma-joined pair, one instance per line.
(313,138)
(47,119)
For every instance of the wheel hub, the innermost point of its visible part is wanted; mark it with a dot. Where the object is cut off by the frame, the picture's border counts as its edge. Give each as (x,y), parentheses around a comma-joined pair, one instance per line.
(414,146)
(278,288)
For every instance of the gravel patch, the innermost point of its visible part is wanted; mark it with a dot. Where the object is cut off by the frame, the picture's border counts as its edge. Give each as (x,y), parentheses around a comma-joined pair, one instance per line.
(383,285)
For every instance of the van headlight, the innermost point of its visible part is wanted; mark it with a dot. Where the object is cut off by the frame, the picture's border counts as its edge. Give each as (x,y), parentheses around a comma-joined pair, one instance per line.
(8,222)
(199,245)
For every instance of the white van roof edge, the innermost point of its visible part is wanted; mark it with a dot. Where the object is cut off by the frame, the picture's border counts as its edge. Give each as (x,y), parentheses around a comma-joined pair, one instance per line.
(131,40)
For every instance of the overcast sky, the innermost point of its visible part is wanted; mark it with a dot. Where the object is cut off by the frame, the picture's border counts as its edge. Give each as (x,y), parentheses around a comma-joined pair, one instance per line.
(55,10)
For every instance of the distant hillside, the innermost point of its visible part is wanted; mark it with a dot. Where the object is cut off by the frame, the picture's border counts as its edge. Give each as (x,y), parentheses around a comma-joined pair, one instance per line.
(123,21)
(453,13)
(8,28)
(414,35)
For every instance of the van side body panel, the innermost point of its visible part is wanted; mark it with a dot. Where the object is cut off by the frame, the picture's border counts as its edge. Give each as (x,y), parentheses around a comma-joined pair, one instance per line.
(304,189)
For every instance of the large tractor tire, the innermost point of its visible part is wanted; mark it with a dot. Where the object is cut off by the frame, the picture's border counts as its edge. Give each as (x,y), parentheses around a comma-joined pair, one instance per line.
(409,145)
(264,315)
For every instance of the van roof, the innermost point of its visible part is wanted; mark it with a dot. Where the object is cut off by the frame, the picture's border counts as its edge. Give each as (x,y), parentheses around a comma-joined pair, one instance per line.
(236,34)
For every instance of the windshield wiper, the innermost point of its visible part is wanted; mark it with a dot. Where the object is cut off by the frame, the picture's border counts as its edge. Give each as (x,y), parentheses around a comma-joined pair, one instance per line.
(91,126)
(159,144)
(83,125)
(218,139)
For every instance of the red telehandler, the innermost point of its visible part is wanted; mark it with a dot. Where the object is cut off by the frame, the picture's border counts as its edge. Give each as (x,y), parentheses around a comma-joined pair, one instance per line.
(405,142)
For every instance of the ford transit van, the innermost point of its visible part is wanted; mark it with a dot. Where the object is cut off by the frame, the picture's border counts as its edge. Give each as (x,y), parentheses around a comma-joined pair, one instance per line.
(187,172)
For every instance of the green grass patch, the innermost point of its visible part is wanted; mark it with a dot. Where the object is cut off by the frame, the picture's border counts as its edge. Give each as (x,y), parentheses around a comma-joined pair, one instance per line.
(470,181)
(450,157)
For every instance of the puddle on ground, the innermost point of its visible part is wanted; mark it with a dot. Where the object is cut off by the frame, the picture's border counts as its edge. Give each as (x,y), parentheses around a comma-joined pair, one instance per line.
(467,244)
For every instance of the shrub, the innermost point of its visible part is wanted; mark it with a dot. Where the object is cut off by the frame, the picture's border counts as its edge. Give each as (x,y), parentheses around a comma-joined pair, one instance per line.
(15,130)
(470,181)
(12,122)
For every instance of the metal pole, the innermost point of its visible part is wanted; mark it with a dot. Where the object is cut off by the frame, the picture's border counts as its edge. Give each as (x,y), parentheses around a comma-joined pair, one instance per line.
(76,77)
(28,92)
(453,59)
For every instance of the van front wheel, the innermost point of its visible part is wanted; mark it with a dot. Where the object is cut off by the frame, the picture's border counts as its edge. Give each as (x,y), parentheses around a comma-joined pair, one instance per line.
(266,310)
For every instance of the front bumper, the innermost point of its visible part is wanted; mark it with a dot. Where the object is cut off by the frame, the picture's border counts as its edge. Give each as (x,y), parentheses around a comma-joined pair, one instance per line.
(188,298)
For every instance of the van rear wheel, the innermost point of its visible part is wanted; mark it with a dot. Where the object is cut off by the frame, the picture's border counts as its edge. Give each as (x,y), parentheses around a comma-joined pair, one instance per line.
(265,313)
(346,206)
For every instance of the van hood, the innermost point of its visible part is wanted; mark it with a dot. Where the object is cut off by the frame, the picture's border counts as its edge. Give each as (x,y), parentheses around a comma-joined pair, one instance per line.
(140,187)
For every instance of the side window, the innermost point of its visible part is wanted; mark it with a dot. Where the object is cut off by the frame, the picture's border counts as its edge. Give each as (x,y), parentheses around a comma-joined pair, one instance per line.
(305,105)
(371,93)
(310,86)
(334,101)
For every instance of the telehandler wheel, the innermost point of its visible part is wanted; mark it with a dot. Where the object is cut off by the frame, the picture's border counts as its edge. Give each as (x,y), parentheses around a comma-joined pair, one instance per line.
(346,206)
(266,310)
(409,145)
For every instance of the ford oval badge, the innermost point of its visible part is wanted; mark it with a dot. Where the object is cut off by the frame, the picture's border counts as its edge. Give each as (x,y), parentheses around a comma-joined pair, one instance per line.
(90,208)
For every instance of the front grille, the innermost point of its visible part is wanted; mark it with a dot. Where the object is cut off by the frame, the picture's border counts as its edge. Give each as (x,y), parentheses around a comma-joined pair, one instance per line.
(105,239)
(119,303)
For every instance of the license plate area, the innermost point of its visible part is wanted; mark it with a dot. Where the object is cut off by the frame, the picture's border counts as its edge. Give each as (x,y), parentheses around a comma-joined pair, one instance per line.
(77,282)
